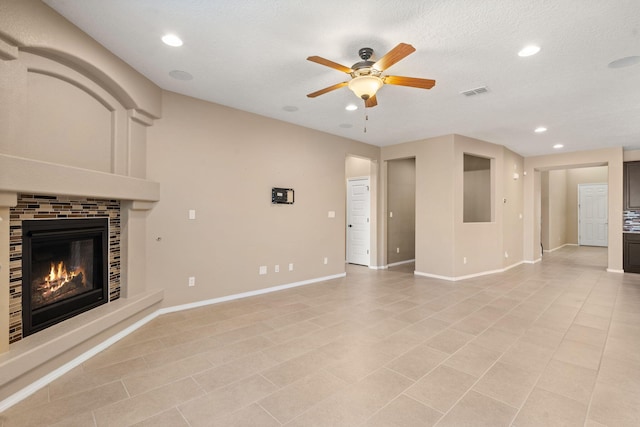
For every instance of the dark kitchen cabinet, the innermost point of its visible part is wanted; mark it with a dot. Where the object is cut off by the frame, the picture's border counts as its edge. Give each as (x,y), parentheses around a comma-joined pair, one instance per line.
(631,185)
(631,253)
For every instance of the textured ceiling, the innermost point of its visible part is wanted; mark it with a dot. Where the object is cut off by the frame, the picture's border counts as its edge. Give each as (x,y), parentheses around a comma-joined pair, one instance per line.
(251,55)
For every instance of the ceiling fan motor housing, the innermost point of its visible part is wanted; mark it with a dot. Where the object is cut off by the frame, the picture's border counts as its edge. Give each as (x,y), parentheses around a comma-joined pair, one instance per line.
(365,53)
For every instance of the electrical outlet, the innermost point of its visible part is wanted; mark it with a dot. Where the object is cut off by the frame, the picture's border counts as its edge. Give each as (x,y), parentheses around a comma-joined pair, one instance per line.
(291,267)
(506,255)
(464,260)
(276,268)
(326,260)
(390,214)
(397,250)
(192,214)
(263,269)
(192,281)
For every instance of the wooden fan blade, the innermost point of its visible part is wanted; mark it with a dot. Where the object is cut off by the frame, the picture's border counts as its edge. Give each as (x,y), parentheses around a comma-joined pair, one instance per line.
(330,64)
(327,89)
(410,81)
(371,102)
(394,55)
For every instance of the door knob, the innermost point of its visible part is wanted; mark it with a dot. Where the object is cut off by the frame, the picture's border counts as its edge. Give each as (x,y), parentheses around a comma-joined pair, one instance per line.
(350,225)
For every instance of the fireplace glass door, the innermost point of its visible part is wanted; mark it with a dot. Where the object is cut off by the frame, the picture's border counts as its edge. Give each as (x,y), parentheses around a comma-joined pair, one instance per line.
(65,269)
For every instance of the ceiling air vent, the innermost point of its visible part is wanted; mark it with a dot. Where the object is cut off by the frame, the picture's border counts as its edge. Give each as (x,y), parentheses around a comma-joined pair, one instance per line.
(476,91)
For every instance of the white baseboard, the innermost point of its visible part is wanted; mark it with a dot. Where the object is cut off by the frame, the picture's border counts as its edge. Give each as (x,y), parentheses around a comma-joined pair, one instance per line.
(468,276)
(409,261)
(247,294)
(611,270)
(57,373)
(393,264)
(535,261)
(560,247)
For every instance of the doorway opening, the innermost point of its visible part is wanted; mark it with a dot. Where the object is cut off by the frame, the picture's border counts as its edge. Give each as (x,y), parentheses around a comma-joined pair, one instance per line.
(401,211)
(569,218)
(360,211)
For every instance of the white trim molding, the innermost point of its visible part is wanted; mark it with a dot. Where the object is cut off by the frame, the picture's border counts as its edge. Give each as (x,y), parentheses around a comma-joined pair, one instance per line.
(559,247)
(468,276)
(248,294)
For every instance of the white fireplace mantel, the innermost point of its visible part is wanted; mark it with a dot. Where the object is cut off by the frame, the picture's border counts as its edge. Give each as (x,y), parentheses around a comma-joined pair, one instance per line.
(21,175)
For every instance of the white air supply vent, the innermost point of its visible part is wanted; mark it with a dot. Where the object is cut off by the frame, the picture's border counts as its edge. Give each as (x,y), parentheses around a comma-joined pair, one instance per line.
(476,91)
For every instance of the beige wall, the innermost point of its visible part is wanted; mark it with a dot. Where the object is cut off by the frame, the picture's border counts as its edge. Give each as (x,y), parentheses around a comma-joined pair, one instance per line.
(477,196)
(356,167)
(434,201)
(222,163)
(479,242)
(443,240)
(557,209)
(513,208)
(401,201)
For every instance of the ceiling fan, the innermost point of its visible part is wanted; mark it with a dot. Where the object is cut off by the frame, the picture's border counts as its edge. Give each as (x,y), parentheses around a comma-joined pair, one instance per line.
(366,75)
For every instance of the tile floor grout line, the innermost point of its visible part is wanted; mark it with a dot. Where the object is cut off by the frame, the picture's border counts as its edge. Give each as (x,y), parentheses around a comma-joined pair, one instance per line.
(604,346)
(271,415)
(442,363)
(494,363)
(551,358)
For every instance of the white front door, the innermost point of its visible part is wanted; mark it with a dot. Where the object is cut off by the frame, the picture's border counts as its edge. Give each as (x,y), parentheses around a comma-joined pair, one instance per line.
(358,230)
(592,214)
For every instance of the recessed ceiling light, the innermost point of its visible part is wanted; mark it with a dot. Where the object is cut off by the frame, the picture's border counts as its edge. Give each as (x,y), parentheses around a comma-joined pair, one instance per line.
(557,146)
(172,40)
(290,108)
(180,75)
(627,61)
(351,107)
(529,50)
(540,129)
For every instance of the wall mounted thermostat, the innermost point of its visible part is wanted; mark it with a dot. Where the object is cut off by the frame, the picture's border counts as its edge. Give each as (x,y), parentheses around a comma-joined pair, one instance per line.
(281,196)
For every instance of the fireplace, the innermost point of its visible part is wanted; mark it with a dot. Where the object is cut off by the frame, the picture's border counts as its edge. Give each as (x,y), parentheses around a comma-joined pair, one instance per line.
(65,269)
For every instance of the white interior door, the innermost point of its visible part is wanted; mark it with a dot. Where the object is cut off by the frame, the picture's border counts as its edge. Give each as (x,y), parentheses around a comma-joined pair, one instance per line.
(592,214)
(358,230)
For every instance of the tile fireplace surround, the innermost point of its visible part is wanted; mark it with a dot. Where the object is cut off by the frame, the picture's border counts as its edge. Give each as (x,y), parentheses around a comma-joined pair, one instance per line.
(30,359)
(38,207)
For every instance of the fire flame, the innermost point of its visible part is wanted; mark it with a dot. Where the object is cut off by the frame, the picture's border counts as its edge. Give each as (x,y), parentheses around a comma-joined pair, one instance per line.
(58,277)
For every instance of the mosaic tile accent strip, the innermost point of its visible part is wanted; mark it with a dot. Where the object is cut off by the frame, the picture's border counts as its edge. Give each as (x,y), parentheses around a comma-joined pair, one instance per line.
(52,207)
(631,221)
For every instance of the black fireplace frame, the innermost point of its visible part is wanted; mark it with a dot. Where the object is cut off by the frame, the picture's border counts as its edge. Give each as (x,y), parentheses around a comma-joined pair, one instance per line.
(34,320)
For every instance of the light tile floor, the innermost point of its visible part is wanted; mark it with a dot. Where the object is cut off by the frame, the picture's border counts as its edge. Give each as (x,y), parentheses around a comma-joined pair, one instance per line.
(555,343)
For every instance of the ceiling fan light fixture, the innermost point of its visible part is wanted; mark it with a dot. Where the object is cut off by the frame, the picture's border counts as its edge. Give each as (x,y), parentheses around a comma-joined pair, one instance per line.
(365,86)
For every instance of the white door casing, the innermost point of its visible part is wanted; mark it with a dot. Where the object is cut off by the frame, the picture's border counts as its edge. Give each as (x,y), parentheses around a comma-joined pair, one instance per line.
(593,215)
(358,226)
